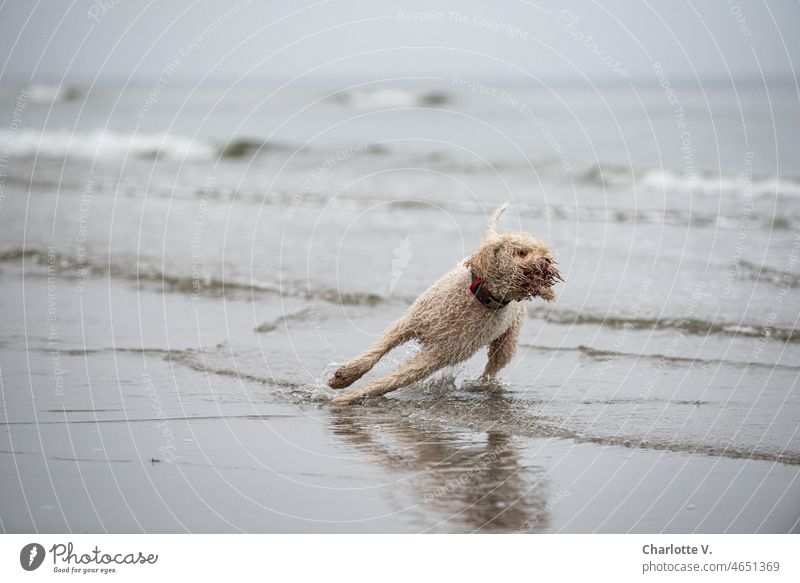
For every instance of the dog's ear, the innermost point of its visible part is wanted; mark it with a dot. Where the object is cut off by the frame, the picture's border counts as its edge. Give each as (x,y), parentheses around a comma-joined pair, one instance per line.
(482,263)
(492,230)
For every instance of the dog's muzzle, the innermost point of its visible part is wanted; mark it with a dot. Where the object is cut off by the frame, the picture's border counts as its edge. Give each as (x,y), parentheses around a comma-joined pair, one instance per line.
(544,274)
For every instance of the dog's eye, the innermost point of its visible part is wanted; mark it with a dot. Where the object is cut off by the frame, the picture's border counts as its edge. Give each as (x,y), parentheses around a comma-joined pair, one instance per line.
(521,252)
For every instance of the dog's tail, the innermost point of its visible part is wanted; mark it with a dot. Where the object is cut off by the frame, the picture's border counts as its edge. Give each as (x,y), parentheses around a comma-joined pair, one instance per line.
(492,230)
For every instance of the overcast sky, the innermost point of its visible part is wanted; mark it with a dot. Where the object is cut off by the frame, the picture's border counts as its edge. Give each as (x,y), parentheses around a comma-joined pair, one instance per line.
(55,40)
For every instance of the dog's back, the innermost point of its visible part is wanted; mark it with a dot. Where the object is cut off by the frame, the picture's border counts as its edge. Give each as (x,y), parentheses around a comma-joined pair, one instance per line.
(446,316)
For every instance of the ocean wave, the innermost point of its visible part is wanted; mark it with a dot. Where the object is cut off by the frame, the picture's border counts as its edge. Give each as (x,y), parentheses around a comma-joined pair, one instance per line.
(204,286)
(389,98)
(693,326)
(286,198)
(763,273)
(100,144)
(302,315)
(549,212)
(604,354)
(667,180)
(614,176)
(114,145)
(52,93)
(249,147)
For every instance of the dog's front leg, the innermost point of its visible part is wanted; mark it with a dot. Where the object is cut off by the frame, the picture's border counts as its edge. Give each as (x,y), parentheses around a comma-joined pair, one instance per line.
(415,368)
(349,373)
(502,349)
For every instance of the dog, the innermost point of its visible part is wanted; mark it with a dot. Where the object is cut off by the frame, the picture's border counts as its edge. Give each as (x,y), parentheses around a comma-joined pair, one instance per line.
(477,304)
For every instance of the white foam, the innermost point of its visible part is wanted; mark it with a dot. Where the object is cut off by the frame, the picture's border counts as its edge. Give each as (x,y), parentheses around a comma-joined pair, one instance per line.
(727,183)
(667,180)
(381,98)
(107,144)
(51,93)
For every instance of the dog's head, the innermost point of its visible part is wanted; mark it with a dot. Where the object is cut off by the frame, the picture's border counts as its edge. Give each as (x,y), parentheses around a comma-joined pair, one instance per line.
(514,266)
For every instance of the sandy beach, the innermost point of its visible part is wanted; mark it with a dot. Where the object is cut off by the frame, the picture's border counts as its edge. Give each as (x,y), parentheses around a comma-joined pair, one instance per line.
(174,430)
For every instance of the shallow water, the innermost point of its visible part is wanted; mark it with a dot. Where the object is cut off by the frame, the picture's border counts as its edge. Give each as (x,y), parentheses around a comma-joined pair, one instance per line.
(174,294)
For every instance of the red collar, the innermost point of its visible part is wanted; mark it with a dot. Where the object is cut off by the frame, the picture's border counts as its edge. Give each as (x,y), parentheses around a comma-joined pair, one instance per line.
(483,296)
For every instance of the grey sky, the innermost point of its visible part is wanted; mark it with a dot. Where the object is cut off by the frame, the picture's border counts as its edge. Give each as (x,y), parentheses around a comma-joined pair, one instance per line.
(54,40)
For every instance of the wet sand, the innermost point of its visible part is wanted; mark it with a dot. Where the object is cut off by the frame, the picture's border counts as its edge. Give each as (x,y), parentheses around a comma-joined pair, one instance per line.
(138,412)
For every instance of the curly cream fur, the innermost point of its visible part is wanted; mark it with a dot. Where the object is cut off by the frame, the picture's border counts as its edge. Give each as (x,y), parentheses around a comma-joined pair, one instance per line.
(451,324)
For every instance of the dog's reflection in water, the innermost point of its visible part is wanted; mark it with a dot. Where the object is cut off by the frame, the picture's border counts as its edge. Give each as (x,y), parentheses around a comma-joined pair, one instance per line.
(461,481)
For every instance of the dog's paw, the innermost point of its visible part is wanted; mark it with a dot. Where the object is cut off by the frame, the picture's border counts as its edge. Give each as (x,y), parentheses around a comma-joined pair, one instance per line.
(339,380)
(346,398)
(344,377)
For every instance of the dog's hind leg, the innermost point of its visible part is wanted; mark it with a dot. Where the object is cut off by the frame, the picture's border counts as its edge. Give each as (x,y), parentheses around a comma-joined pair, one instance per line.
(415,368)
(349,373)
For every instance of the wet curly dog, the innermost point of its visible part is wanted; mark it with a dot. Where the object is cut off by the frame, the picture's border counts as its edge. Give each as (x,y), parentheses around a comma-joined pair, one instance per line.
(477,304)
